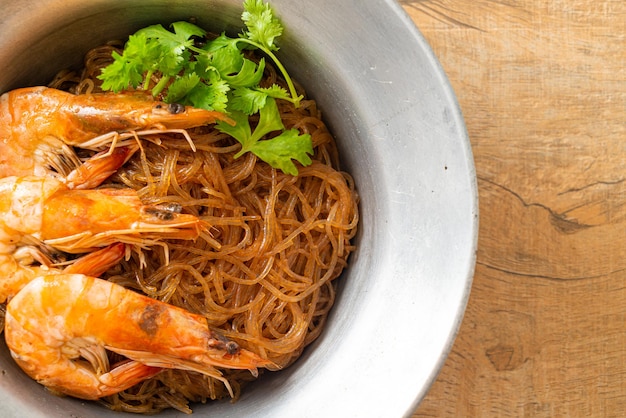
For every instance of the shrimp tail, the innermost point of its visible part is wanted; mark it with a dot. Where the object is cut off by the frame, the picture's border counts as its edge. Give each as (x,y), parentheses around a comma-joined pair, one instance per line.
(98,168)
(125,375)
(120,378)
(97,262)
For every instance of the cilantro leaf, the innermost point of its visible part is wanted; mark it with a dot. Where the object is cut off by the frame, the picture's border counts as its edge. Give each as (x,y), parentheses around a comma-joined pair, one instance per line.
(127,69)
(223,55)
(181,87)
(251,100)
(263,26)
(211,95)
(278,151)
(241,130)
(275,91)
(248,100)
(175,42)
(269,121)
(282,149)
(250,74)
(120,74)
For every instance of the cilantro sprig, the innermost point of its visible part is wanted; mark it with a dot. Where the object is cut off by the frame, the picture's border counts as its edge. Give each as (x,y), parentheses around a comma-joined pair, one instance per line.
(218,76)
(277,151)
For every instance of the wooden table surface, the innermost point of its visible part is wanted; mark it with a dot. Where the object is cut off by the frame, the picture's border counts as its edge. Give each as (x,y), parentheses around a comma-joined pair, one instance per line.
(542,86)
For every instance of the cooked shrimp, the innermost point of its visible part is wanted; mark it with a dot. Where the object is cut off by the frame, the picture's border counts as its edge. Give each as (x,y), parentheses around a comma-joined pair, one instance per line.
(75,221)
(57,322)
(38,125)
(15,273)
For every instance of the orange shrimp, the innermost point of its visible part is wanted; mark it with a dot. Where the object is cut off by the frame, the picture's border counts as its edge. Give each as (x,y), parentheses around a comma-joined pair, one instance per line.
(38,125)
(57,322)
(77,221)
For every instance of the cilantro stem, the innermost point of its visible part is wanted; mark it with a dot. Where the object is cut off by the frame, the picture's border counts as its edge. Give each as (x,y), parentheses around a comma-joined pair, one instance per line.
(295,99)
(146,81)
(158,88)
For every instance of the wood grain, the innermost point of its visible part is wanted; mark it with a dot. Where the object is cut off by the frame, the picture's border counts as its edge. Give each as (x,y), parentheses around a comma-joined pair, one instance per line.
(542,85)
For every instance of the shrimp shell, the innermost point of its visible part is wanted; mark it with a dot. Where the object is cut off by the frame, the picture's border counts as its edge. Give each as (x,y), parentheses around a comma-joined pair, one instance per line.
(76,221)
(38,125)
(59,326)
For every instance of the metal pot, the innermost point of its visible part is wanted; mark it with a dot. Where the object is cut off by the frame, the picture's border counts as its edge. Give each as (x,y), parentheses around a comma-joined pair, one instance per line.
(402,137)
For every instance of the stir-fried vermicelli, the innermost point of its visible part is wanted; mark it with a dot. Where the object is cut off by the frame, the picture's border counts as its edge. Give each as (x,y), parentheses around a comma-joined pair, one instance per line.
(263,272)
